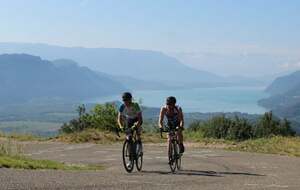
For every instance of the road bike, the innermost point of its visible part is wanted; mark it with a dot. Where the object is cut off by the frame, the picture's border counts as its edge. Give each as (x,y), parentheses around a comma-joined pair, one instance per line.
(174,154)
(132,151)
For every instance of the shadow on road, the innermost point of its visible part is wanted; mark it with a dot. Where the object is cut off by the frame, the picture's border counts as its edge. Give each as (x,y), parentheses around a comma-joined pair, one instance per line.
(224,173)
(185,172)
(202,173)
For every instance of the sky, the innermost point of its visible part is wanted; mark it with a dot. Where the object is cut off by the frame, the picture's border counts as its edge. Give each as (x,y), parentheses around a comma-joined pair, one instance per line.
(227,37)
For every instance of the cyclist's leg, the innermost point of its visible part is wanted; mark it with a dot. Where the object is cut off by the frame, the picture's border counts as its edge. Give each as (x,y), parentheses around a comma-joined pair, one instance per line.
(139,131)
(138,137)
(180,139)
(169,141)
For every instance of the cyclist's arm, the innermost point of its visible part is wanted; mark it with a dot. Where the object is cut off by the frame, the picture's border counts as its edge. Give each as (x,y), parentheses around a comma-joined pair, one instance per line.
(139,114)
(120,121)
(140,119)
(161,117)
(181,118)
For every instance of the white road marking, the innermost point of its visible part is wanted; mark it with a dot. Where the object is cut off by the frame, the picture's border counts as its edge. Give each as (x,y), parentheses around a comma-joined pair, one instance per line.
(277,186)
(160,157)
(100,151)
(251,184)
(154,183)
(129,181)
(109,159)
(144,182)
(268,186)
(72,147)
(201,151)
(155,151)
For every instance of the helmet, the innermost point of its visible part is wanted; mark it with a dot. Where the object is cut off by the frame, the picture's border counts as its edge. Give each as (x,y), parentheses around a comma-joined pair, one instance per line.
(171,100)
(126,96)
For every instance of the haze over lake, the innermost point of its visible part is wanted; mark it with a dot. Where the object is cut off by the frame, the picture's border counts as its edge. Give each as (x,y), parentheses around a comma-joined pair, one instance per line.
(221,99)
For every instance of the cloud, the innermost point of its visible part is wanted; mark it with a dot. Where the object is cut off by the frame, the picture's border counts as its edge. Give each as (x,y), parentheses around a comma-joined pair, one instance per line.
(290,65)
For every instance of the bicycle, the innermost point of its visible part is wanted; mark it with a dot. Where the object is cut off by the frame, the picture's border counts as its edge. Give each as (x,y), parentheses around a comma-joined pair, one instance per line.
(173,148)
(132,151)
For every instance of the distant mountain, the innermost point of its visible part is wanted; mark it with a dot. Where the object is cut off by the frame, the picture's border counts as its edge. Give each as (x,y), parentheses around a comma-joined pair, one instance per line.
(24,78)
(284,84)
(139,64)
(285,96)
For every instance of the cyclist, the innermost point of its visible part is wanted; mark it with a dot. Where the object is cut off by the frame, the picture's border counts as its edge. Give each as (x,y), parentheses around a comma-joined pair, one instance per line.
(175,118)
(130,115)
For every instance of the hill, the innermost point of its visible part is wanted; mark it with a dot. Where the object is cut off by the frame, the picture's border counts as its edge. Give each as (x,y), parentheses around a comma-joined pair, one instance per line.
(26,78)
(140,64)
(284,84)
(285,96)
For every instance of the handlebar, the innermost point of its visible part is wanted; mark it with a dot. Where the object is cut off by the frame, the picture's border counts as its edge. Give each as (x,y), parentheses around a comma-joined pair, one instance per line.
(166,129)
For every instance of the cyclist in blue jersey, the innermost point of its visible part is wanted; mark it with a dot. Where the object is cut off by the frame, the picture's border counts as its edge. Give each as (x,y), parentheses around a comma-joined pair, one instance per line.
(130,115)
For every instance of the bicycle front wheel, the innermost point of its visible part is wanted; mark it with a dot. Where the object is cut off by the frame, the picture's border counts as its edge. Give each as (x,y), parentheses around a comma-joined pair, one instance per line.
(178,157)
(172,156)
(139,156)
(128,159)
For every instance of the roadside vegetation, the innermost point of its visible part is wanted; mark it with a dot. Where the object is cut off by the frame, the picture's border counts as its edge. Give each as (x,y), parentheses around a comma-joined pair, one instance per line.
(274,145)
(11,156)
(21,162)
(240,129)
(268,134)
(22,137)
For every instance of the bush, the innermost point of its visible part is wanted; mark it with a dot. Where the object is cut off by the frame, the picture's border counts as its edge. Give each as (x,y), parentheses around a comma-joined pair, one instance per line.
(103,117)
(268,126)
(239,129)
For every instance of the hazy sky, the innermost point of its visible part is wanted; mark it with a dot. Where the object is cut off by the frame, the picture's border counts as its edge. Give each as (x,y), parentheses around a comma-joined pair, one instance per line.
(206,34)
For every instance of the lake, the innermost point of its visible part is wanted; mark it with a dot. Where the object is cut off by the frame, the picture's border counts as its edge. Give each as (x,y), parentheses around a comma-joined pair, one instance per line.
(221,99)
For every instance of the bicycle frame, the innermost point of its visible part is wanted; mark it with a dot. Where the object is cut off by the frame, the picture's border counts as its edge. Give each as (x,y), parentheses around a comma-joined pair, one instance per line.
(134,151)
(173,151)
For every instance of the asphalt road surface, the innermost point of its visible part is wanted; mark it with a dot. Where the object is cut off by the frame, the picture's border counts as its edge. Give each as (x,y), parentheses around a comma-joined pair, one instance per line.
(205,169)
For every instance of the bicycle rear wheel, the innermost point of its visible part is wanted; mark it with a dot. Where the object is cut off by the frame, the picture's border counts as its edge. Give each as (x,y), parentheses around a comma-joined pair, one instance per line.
(139,156)
(128,159)
(172,156)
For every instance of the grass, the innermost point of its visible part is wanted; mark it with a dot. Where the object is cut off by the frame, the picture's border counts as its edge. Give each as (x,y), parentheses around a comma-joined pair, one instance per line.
(89,135)
(289,146)
(11,157)
(21,162)
(275,145)
(103,137)
(197,137)
(22,137)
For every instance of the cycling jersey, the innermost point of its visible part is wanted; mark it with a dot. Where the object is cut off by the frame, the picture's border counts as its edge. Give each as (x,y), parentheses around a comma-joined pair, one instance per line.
(130,113)
(173,117)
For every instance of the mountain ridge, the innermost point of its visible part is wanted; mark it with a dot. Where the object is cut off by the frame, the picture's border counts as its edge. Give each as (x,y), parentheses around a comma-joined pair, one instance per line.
(284,96)
(145,65)
(25,77)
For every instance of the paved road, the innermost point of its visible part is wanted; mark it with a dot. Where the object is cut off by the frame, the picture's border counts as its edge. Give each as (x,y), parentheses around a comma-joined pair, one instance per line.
(205,169)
